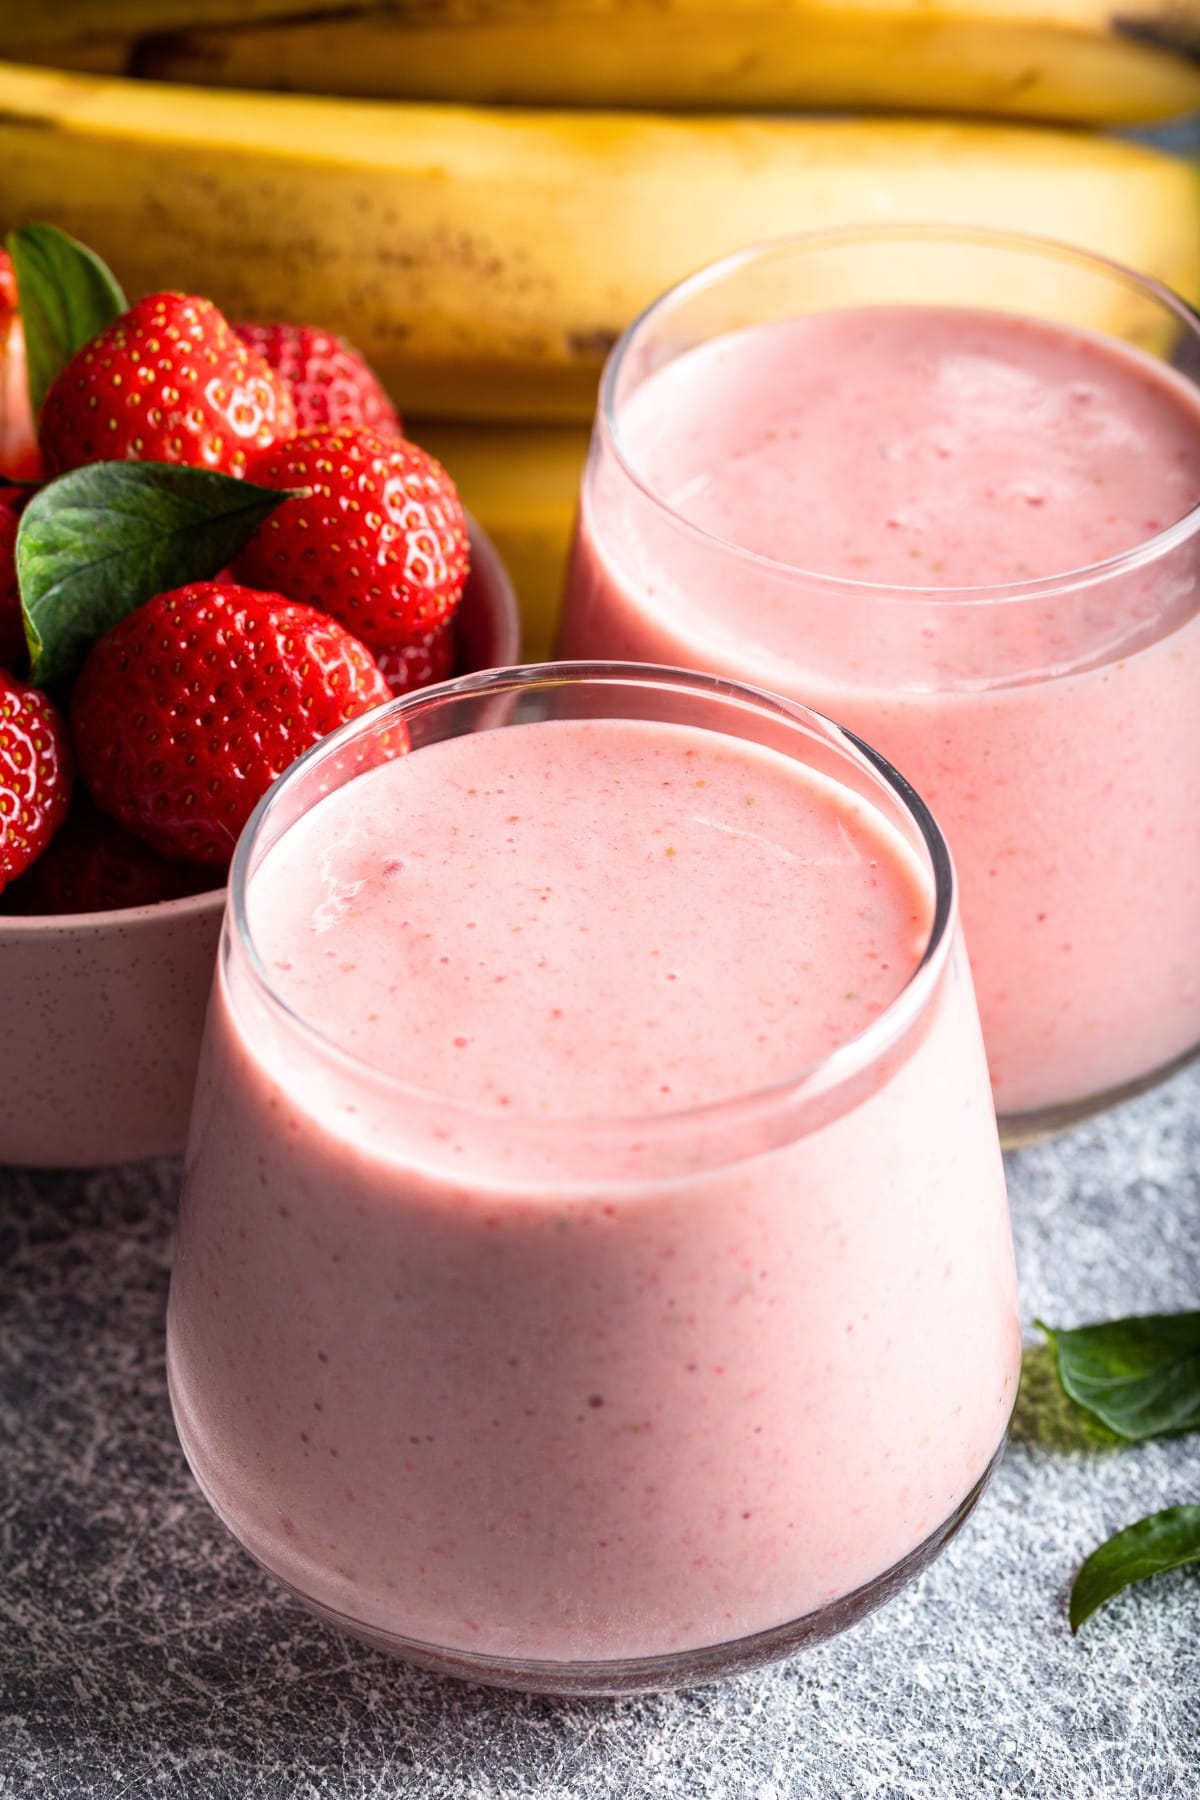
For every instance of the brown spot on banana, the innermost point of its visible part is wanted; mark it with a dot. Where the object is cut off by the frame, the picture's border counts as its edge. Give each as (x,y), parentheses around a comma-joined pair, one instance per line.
(591,346)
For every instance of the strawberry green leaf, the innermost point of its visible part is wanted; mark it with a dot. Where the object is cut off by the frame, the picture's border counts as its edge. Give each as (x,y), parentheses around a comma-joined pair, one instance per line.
(103,539)
(66,295)
(1165,1540)
(1140,1376)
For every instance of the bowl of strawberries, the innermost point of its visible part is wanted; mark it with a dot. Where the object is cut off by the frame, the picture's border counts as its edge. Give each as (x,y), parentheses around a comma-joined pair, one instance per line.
(216,546)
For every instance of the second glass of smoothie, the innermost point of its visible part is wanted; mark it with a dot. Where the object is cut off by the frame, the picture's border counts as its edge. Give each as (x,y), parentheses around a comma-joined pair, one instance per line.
(943,486)
(593,1268)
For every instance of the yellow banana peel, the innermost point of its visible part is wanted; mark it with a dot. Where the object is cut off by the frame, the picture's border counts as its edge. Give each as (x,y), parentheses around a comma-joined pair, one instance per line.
(485,259)
(1094,61)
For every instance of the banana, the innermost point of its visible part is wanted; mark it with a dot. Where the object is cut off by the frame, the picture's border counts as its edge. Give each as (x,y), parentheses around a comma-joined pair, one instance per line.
(522,484)
(485,260)
(1096,61)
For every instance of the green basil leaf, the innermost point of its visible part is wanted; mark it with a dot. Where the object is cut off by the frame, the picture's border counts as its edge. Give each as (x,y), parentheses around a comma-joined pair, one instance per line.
(66,295)
(1166,1540)
(103,539)
(1140,1376)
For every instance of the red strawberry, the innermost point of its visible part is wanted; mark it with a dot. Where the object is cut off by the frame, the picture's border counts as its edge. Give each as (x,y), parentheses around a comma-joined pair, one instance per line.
(12,626)
(93,865)
(379,541)
(169,381)
(18,441)
(35,775)
(408,666)
(330,382)
(185,712)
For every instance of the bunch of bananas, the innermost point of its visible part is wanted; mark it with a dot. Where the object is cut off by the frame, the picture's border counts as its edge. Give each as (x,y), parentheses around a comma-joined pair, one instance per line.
(493,188)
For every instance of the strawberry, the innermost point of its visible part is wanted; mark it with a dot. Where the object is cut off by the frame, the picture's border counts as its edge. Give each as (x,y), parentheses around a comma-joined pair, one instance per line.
(35,775)
(379,541)
(18,441)
(330,382)
(408,666)
(168,381)
(94,865)
(12,626)
(186,711)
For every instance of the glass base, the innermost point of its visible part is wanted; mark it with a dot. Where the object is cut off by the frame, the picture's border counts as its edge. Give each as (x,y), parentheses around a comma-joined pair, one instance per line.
(1019,1130)
(652,1674)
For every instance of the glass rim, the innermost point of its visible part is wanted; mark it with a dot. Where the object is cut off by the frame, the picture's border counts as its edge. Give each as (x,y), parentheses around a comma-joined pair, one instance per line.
(815,1082)
(1159,543)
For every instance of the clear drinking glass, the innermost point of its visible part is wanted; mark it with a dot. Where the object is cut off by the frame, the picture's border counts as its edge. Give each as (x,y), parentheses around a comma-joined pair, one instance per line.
(569,1401)
(1051,720)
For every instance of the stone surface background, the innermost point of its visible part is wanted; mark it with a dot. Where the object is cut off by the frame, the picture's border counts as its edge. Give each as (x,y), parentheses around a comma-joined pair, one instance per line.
(143,1656)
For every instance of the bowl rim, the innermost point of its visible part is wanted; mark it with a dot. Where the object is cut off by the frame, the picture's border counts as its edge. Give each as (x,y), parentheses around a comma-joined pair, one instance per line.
(15,926)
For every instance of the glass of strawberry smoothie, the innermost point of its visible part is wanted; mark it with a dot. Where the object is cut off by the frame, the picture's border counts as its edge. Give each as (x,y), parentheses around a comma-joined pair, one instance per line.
(944,486)
(593,1268)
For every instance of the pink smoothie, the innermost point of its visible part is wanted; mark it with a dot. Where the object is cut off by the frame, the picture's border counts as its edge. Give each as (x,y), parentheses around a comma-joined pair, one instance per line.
(478,1336)
(1054,731)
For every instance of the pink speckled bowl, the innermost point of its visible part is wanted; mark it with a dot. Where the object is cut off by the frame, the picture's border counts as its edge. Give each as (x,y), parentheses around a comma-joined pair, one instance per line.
(102,1012)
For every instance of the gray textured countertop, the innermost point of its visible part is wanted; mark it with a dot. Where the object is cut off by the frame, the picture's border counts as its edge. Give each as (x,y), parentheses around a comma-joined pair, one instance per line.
(141,1654)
